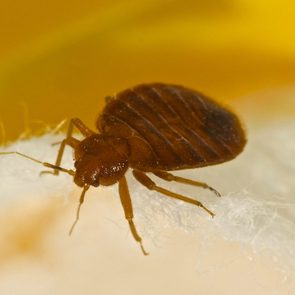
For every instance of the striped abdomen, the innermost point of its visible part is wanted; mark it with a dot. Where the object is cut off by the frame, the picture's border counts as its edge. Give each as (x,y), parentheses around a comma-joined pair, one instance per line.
(170,127)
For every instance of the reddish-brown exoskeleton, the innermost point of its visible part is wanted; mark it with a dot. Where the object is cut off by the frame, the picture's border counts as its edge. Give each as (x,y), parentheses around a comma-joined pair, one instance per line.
(151,128)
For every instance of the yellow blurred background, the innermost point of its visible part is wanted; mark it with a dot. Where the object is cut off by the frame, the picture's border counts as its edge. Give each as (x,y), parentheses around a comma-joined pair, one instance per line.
(61,58)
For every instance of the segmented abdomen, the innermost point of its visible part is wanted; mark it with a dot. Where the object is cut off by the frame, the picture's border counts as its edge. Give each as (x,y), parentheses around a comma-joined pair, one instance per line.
(172,127)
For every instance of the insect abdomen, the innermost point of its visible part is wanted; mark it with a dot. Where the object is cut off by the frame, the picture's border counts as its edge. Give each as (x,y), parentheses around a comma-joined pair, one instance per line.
(175,127)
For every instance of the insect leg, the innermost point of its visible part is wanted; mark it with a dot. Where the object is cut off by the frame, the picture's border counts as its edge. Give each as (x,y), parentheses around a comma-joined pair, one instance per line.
(71,141)
(170,177)
(81,127)
(127,206)
(147,182)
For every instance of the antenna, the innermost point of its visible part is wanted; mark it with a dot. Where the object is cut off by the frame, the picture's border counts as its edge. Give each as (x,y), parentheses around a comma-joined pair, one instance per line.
(48,165)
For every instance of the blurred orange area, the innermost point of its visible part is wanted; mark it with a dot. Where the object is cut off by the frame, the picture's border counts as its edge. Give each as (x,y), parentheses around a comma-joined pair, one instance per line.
(62,58)
(23,228)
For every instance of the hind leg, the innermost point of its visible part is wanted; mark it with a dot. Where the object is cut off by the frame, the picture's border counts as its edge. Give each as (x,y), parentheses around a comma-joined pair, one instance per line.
(170,177)
(147,182)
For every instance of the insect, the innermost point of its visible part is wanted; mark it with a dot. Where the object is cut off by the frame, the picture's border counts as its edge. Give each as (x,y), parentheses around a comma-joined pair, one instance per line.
(150,128)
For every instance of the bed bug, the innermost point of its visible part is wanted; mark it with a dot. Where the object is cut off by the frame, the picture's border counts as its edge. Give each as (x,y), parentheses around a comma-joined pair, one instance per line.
(151,128)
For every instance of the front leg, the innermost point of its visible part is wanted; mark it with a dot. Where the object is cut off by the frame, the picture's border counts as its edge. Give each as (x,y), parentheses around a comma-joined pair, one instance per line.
(71,141)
